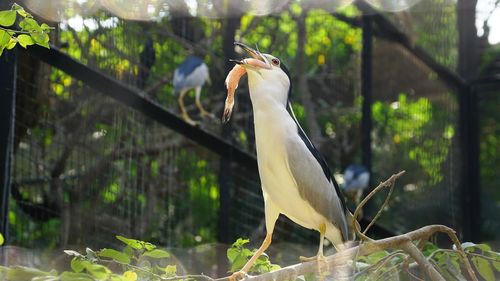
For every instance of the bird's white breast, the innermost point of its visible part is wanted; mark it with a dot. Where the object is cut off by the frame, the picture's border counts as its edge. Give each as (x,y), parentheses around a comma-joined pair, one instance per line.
(273,128)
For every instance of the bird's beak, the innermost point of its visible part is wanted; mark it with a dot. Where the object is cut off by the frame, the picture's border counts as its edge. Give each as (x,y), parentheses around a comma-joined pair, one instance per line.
(257,60)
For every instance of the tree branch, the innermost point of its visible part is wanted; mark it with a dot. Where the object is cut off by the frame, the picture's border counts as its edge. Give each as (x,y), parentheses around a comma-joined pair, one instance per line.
(389,182)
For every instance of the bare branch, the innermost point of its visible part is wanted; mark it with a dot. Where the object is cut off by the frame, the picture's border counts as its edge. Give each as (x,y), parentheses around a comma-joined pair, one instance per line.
(389,182)
(417,255)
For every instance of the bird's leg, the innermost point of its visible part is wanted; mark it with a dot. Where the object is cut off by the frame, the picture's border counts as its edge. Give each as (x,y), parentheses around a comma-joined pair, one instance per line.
(319,256)
(203,112)
(184,113)
(243,272)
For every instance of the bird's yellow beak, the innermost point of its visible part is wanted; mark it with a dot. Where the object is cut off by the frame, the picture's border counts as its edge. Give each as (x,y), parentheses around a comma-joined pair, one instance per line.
(257,60)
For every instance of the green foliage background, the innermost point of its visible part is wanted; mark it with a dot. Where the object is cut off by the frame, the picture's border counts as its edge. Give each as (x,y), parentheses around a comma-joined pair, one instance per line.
(121,167)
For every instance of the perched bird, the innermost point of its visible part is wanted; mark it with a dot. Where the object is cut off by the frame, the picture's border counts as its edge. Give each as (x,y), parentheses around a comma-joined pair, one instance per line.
(356,179)
(295,179)
(192,73)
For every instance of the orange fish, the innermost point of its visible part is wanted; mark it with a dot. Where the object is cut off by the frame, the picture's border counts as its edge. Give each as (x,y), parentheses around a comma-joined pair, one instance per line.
(232,80)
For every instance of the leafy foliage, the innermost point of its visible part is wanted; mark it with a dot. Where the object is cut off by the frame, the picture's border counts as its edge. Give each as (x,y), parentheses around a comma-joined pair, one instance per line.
(138,260)
(30,33)
(238,255)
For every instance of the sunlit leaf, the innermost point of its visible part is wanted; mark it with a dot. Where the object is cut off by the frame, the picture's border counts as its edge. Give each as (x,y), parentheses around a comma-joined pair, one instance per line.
(78,264)
(98,271)
(170,271)
(25,40)
(130,276)
(45,27)
(2,240)
(7,18)
(12,43)
(484,268)
(136,244)
(4,38)
(72,276)
(20,10)
(30,25)
(114,254)
(22,273)
(157,254)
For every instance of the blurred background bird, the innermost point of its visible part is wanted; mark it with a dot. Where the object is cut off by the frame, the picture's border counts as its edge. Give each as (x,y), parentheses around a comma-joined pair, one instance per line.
(356,180)
(192,73)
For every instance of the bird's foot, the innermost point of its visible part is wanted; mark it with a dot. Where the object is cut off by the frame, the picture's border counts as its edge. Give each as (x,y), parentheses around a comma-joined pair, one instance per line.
(321,259)
(190,121)
(318,257)
(207,114)
(238,275)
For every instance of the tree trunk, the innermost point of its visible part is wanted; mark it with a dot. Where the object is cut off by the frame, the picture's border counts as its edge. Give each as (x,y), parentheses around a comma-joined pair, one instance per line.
(303,88)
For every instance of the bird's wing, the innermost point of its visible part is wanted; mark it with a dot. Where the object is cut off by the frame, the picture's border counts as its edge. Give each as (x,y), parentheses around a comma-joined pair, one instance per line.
(314,185)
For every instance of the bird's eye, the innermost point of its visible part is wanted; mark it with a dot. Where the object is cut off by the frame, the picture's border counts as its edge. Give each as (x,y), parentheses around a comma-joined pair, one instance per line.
(275,61)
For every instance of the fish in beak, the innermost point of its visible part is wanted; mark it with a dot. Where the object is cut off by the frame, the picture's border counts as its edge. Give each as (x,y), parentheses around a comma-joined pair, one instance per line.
(255,62)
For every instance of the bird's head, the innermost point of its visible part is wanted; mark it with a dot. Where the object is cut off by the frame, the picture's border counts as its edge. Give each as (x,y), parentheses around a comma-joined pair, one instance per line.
(265,71)
(268,80)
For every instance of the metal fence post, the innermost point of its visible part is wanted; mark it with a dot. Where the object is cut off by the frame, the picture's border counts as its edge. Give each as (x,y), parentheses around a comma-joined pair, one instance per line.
(366,92)
(7,119)
(470,191)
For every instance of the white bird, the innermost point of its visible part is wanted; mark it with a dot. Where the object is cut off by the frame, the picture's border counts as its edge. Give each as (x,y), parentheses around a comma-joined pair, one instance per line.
(295,179)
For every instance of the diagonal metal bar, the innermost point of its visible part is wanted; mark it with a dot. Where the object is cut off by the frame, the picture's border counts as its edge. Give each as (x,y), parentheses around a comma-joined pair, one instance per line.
(135,99)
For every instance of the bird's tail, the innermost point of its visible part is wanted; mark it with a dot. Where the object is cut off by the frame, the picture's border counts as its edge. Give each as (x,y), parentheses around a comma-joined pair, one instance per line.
(352,224)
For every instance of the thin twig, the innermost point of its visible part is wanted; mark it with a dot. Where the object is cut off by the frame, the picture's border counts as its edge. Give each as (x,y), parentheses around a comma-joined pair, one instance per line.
(15,31)
(380,263)
(417,255)
(388,182)
(407,269)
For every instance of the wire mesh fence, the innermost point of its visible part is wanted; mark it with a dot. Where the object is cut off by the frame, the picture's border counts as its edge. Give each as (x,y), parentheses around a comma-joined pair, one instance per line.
(88,168)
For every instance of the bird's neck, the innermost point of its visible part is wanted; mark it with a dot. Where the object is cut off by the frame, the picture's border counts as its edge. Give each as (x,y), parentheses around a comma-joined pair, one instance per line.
(268,97)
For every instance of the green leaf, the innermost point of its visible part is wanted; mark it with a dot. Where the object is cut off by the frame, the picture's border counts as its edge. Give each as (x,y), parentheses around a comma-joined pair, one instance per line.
(21,273)
(45,27)
(98,271)
(30,25)
(148,246)
(20,10)
(71,276)
(170,270)
(238,263)
(483,247)
(1,239)
(128,251)
(130,276)
(78,264)
(136,244)
(114,254)
(25,40)
(375,257)
(40,37)
(4,38)
(7,18)
(12,43)
(496,264)
(240,242)
(157,254)
(484,268)
(43,44)
(232,253)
